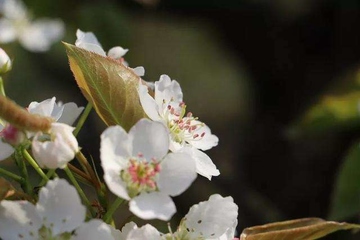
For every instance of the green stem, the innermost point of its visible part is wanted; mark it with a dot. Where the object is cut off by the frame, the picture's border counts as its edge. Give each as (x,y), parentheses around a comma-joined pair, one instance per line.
(82,119)
(19,159)
(2,89)
(33,163)
(11,175)
(49,174)
(79,189)
(108,215)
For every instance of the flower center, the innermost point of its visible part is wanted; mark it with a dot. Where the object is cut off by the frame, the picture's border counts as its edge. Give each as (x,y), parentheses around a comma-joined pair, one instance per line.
(183,127)
(140,175)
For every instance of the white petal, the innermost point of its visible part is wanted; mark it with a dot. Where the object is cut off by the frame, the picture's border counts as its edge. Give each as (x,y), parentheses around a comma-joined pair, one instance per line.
(212,218)
(7,31)
(230,233)
(207,141)
(145,232)
(86,37)
(56,153)
(176,174)
(5,62)
(18,218)
(44,108)
(204,166)
(70,113)
(114,182)
(167,89)
(148,103)
(95,229)
(60,206)
(115,148)
(88,41)
(41,34)
(117,52)
(5,150)
(126,230)
(150,139)
(13,9)
(140,71)
(153,205)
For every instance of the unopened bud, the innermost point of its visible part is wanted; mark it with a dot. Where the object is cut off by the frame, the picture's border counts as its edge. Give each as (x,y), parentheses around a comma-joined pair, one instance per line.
(5,62)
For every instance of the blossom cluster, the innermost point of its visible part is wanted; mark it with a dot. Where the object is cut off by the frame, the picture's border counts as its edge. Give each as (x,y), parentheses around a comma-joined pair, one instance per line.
(158,158)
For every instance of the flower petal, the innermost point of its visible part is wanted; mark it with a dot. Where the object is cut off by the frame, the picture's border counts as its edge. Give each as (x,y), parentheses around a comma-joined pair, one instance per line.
(44,108)
(114,182)
(204,166)
(70,113)
(148,103)
(207,141)
(89,42)
(56,153)
(153,205)
(166,90)
(140,71)
(93,230)
(115,147)
(117,52)
(145,232)
(60,206)
(212,218)
(18,218)
(149,138)
(177,173)
(7,31)
(126,230)
(5,150)
(39,35)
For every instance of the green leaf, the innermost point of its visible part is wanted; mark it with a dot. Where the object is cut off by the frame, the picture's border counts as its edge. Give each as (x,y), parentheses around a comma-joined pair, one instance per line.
(346,195)
(336,109)
(108,85)
(299,229)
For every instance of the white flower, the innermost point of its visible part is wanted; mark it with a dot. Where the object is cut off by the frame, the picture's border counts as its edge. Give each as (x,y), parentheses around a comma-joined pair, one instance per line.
(137,168)
(56,149)
(88,41)
(63,113)
(5,62)
(212,219)
(36,36)
(56,215)
(215,219)
(168,107)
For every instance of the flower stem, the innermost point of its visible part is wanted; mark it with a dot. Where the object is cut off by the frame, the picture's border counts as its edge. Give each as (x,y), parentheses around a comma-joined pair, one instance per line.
(2,89)
(82,119)
(11,175)
(19,160)
(88,169)
(49,174)
(108,215)
(33,163)
(79,189)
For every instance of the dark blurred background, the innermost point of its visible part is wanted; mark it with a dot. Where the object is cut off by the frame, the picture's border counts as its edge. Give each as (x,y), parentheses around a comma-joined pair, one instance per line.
(273,79)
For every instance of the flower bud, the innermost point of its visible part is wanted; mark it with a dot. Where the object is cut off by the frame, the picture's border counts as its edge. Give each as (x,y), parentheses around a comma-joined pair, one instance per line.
(5,62)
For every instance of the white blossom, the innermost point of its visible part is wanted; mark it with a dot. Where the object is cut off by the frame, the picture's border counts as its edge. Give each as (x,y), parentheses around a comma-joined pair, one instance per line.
(185,130)
(5,62)
(63,113)
(56,148)
(35,36)
(88,41)
(137,168)
(11,137)
(55,216)
(212,219)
